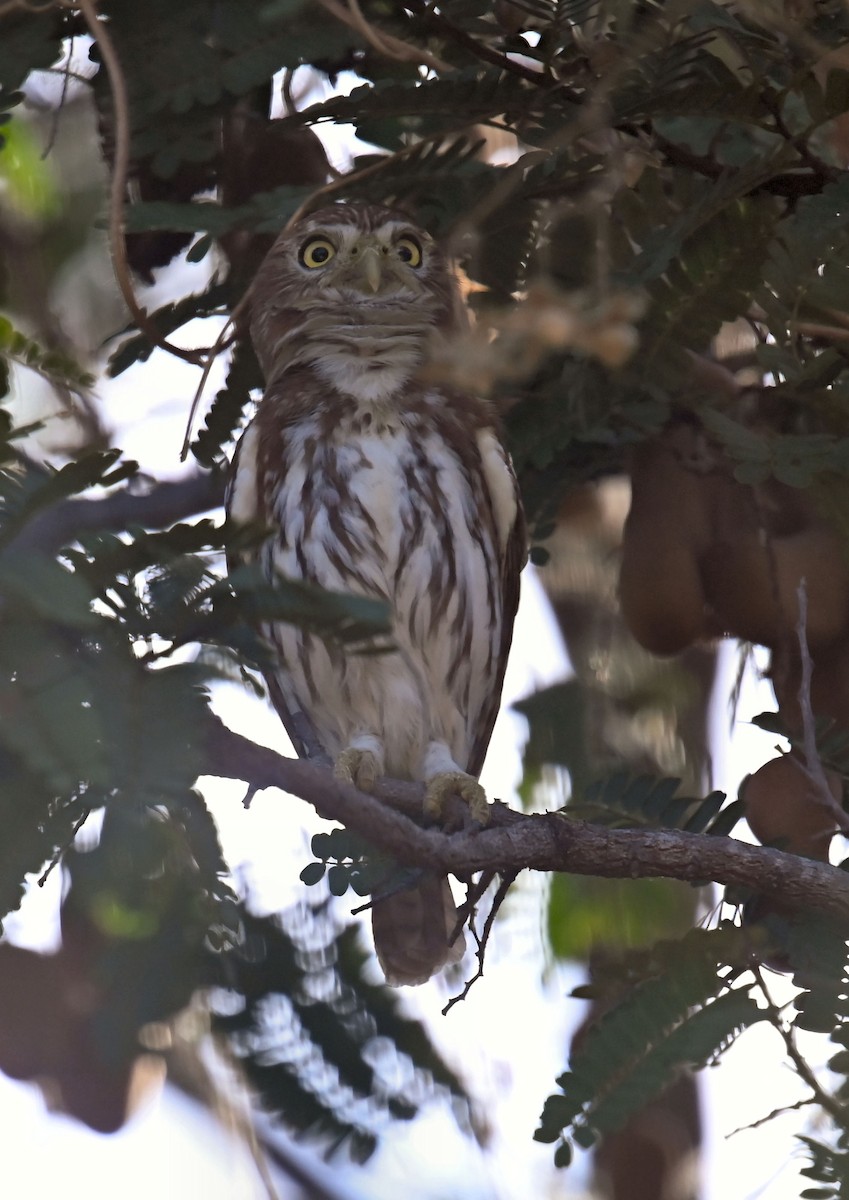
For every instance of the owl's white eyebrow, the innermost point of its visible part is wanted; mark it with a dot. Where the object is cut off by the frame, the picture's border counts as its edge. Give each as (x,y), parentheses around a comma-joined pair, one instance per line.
(332,232)
(341,231)
(341,235)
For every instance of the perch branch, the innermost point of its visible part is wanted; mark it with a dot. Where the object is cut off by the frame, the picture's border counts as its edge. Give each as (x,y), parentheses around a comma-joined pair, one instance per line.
(540,842)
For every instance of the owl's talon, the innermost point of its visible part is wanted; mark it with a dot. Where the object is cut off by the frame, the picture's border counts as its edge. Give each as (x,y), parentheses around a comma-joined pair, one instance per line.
(456,783)
(359,767)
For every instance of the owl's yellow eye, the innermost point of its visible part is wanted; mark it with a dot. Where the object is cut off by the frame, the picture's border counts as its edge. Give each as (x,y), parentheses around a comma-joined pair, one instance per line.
(409,251)
(316,252)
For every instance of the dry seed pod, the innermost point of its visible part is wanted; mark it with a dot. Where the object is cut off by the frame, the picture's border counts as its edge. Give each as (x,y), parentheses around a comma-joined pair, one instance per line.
(667,532)
(783,808)
(511,17)
(751,574)
(49,1033)
(753,588)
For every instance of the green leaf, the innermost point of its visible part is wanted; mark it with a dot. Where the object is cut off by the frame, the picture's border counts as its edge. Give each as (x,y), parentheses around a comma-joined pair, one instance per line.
(307,1011)
(563,1155)
(584,912)
(53,366)
(476,93)
(24,494)
(338,878)
(214,300)
(227,410)
(199,249)
(313,873)
(633,1050)
(346,618)
(727,818)
(556,718)
(45,587)
(29,43)
(28,182)
(705,814)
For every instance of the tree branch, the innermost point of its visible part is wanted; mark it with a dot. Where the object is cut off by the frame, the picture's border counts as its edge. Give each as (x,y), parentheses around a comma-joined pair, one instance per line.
(539,842)
(161,506)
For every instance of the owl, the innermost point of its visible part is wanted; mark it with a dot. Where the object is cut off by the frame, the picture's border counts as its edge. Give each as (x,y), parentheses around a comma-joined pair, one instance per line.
(376,482)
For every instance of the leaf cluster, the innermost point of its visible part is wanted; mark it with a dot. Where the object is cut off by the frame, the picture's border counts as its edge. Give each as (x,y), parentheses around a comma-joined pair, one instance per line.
(331,1053)
(16,347)
(644,801)
(690,157)
(678,1012)
(346,860)
(100,715)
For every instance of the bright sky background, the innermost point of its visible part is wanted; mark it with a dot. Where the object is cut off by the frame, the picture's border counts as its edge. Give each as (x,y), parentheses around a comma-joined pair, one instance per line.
(510,1036)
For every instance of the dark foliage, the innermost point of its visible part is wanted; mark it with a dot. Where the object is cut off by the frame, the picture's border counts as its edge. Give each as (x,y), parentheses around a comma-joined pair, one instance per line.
(644,176)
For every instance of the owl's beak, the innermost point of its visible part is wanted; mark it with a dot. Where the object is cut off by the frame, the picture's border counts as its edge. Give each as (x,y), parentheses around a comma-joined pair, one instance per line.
(370,268)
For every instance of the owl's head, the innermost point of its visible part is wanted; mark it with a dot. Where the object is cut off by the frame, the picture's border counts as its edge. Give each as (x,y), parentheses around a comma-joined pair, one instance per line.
(360,253)
(356,266)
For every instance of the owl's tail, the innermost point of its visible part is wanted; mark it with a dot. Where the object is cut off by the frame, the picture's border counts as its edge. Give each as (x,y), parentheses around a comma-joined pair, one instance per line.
(412,931)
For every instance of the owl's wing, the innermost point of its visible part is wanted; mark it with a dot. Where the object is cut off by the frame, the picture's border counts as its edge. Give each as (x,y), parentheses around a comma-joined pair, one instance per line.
(514,555)
(244,504)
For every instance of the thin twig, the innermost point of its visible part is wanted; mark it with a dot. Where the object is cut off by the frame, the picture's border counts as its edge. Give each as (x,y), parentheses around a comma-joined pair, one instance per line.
(809,734)
(790,184)
(474,893)
(841,319)
(483,940)
(286,91)
(391,884)
(812,767)
(60,107)
(592,117)
(26,6)
(770,1116)
(799,144)
(477,49)
(235,1112)
(221,343)
(826,1101)
(120,171)
(60,853)
(818,329)
(385,44)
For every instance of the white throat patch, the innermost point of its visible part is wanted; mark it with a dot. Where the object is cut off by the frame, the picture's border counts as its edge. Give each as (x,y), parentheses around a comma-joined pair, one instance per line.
(366,382)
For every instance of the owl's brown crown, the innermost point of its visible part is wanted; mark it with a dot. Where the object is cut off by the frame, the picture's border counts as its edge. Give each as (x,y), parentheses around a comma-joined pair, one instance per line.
(366,217)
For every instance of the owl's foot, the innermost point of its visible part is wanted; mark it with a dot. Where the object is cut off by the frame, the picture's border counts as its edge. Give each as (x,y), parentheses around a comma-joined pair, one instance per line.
(456,783)
(359,767)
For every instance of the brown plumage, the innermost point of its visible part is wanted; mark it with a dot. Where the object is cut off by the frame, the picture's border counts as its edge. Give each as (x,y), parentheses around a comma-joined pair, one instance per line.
(380,484)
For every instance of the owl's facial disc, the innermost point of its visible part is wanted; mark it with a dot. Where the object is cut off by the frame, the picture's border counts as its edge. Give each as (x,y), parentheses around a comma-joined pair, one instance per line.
(379,265)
